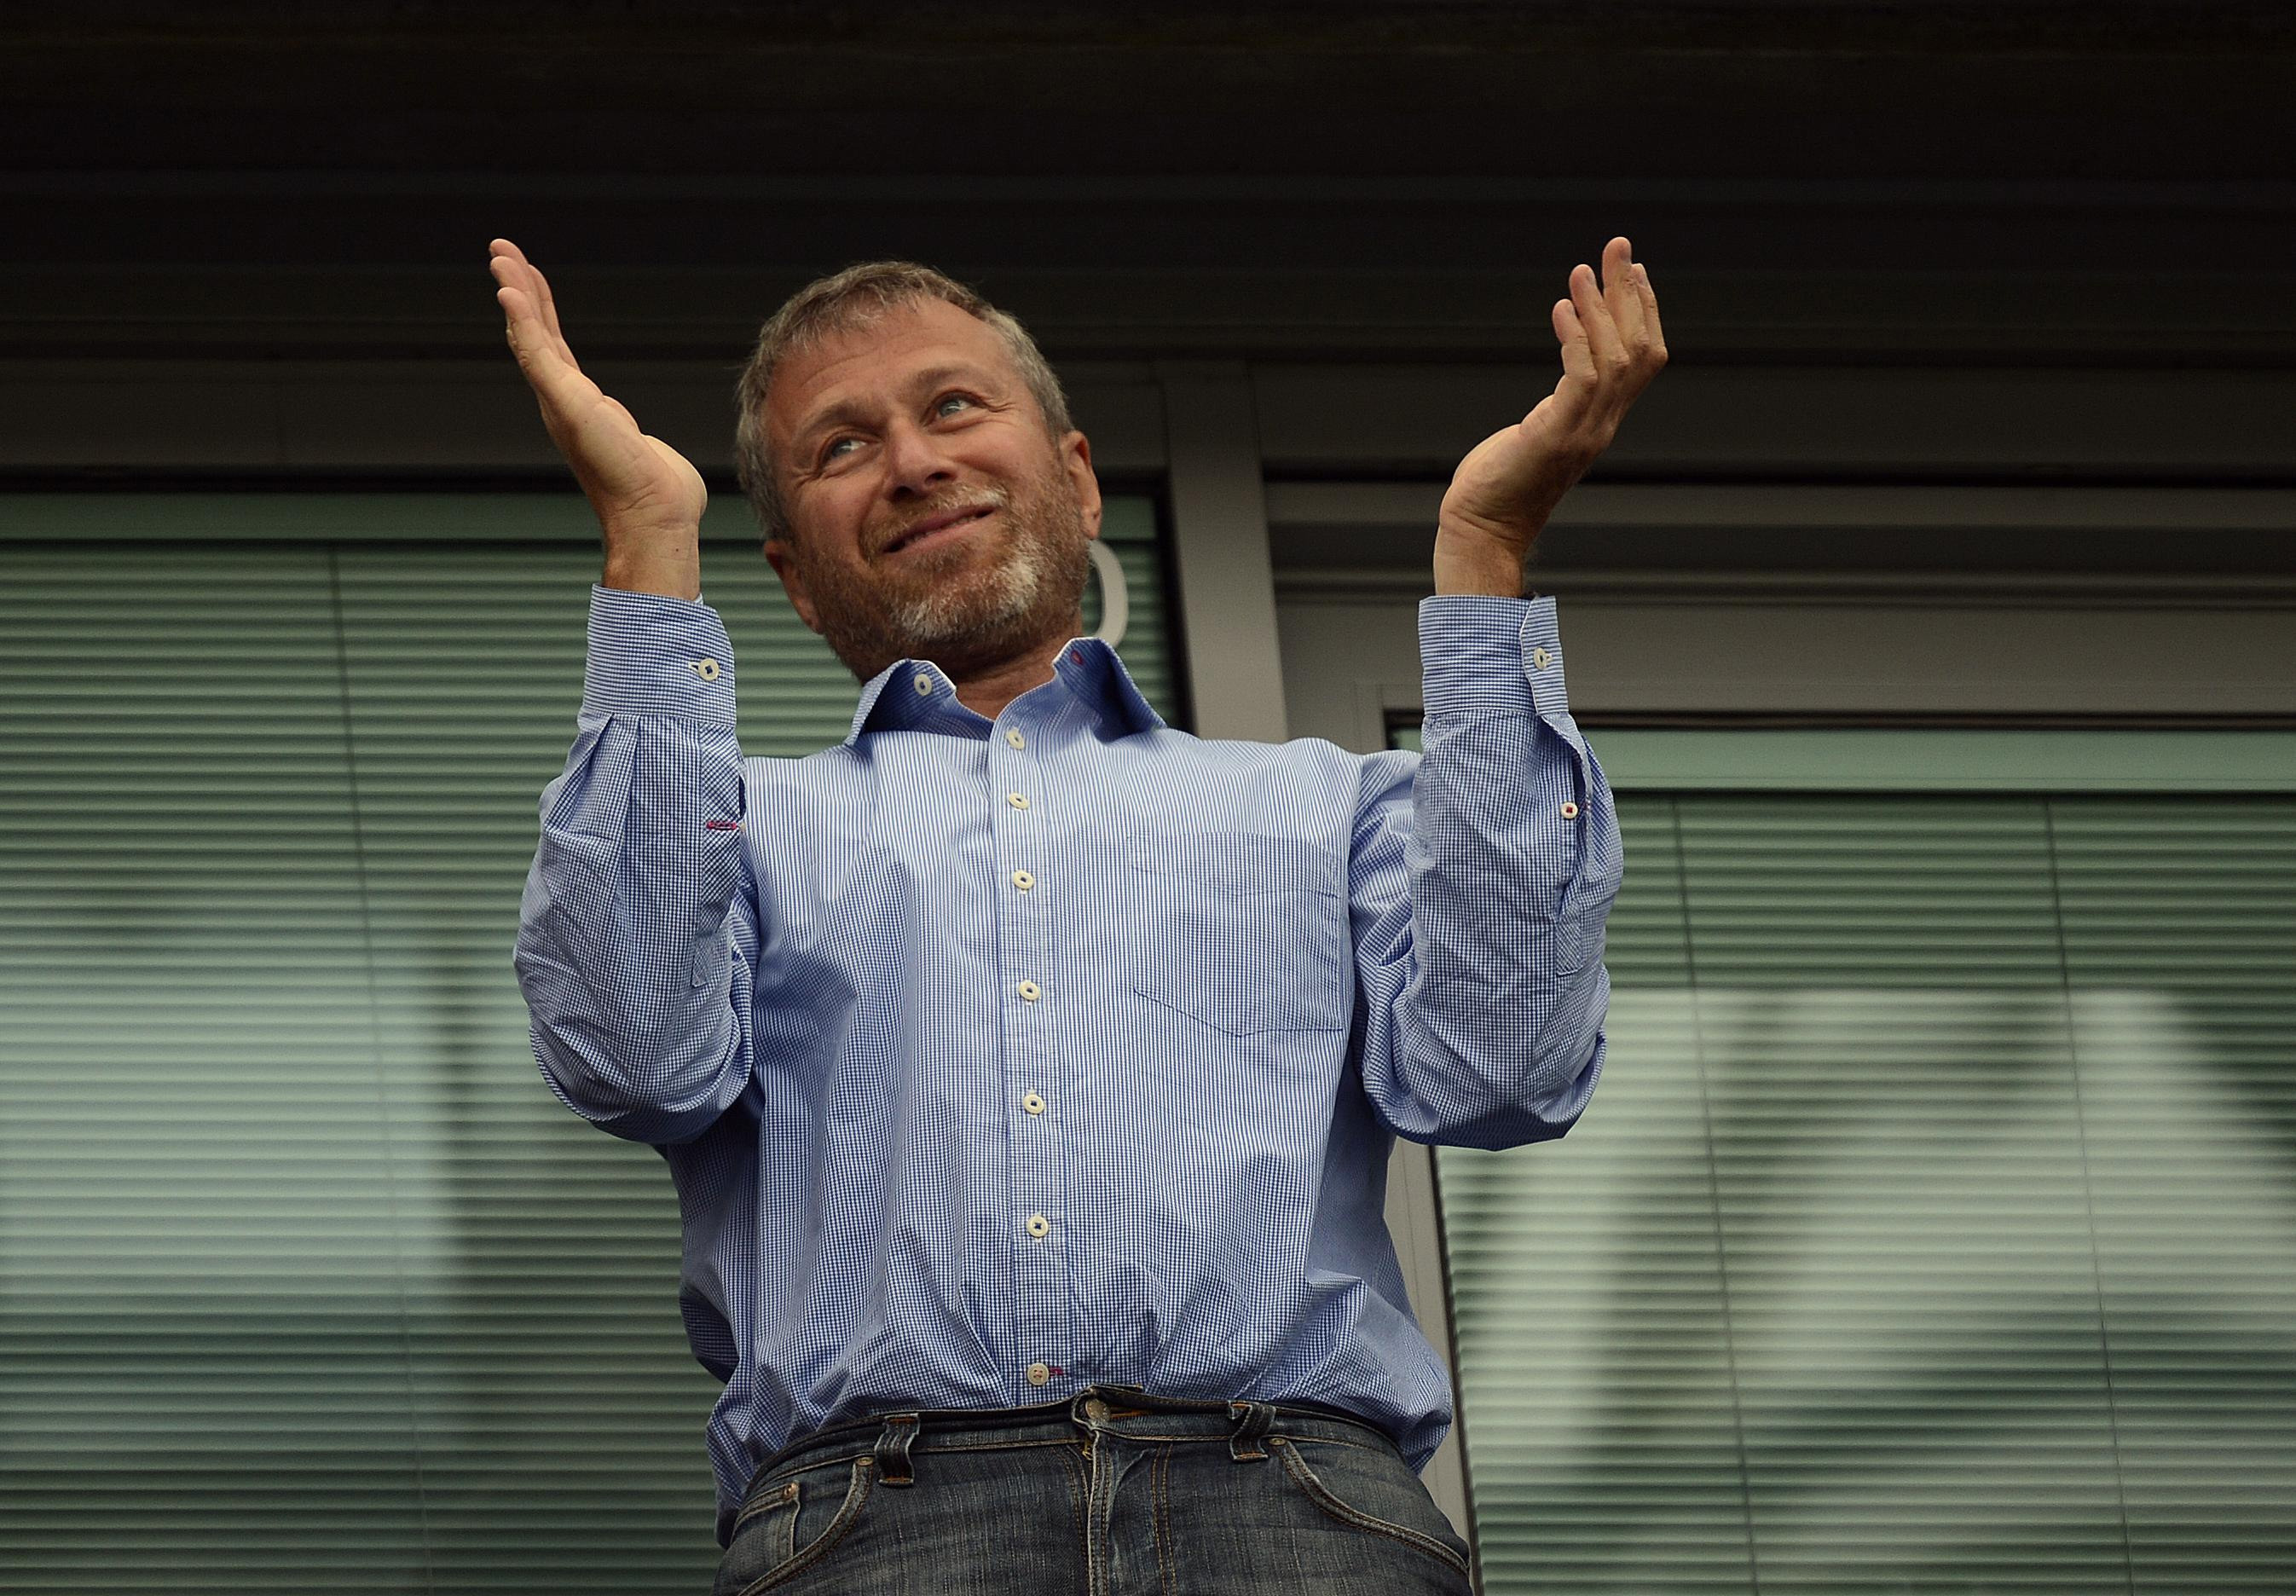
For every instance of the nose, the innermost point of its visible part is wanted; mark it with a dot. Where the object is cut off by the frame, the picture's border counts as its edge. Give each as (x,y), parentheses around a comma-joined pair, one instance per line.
(914,464)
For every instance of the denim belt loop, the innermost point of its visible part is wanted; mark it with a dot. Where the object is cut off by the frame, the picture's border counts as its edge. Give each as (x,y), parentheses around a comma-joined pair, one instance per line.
(1252,1422)
(892,1453)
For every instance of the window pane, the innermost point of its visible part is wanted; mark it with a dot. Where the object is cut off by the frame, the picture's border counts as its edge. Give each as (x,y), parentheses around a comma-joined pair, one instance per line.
(307,1281)
(1931,1224)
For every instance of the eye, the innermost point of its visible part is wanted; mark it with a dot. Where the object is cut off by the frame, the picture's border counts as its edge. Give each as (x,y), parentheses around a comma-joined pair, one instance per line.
(941,404)
(830,450)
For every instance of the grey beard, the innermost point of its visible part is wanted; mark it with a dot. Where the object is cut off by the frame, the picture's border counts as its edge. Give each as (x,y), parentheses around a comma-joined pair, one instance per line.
(1040,585)
(942,618)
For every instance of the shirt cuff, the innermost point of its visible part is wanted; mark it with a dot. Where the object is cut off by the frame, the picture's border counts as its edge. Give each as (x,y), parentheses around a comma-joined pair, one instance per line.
(1490,656)
(650,654)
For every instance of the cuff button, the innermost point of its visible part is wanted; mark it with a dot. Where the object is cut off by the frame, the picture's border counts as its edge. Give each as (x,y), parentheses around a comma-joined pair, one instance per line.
(1570,811)
(707,669)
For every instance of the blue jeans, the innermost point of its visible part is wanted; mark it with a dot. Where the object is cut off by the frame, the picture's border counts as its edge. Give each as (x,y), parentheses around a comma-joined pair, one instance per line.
(1113,1493)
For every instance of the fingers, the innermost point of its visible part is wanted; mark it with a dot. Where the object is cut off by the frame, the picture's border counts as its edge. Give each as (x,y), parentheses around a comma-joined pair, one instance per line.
(1649,297)
(1581,376)
(544,359)
(1603,338)
(1624,340)
(1593,359)
(522,325)
(511,269)
(550,314)
(1611,345)
(1619,296)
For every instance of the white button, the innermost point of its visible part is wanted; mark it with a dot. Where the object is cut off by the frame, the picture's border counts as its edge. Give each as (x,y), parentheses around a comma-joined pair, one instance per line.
(1018,800)
(1033,1103)
(707,669)
(1030,991)
(924,683)
(1016,740)
(1570,811)
(1039,1225)
(1023,879)
(1039,1373)
(1540,659)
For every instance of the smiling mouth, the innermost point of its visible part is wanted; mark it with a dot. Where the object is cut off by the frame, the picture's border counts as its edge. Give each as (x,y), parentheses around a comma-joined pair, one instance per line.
(941,533)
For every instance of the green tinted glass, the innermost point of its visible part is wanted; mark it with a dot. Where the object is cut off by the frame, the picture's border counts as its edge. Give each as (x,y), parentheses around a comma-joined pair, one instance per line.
(1929,1228)
(307,1282)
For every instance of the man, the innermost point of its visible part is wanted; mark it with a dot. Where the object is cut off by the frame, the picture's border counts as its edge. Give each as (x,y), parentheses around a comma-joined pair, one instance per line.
(1028,1070)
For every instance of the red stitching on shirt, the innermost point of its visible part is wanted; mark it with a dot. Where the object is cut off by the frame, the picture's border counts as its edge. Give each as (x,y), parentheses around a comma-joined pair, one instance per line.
(724,825)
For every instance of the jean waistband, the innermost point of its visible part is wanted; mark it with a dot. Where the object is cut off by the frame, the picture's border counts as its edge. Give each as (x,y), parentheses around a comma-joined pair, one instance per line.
(893,1435)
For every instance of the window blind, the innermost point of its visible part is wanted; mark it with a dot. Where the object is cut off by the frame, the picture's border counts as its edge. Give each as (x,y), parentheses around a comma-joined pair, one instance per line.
(1934,1226)
(307,1281)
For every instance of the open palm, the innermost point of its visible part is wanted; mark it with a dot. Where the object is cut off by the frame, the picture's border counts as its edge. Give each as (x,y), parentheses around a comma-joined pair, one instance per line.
(636,483)
(1613,346)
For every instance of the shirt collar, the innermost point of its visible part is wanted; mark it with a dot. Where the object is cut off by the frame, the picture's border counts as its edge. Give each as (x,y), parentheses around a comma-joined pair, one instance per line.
(892,699)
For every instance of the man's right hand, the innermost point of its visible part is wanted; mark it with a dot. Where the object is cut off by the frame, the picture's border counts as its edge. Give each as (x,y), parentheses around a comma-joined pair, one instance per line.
(648,496)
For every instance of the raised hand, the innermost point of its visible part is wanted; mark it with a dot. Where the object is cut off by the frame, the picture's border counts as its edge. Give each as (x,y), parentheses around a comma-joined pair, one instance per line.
(648,498)
(1508,484)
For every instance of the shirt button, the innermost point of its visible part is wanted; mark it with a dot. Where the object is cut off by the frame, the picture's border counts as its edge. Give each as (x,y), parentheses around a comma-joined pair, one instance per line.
(1570,811)
(1033,1103)
(924,683)
(1023,879)
(1016,740)
(1039,1225)
(1030,991)
(1018,800)
(1039,1373)
(1540,659)
(707,669)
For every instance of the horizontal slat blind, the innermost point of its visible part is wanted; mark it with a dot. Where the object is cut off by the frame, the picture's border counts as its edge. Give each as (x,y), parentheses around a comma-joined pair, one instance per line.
(306,1280)
(1933,1227)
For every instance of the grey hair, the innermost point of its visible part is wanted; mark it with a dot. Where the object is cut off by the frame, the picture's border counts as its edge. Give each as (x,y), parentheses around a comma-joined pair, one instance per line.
(850,299)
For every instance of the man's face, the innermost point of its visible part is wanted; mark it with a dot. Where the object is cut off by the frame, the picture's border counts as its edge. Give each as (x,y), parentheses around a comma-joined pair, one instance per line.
(932,515)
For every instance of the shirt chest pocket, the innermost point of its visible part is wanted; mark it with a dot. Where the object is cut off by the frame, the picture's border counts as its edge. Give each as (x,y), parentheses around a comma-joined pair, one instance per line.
(1247,933)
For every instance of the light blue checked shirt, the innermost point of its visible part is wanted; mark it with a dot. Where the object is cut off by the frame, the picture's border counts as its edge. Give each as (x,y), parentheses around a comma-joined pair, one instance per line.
(995,1058)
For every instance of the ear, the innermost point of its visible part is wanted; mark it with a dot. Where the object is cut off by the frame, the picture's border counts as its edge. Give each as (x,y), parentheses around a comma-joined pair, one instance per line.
(783,560)
(1075,456)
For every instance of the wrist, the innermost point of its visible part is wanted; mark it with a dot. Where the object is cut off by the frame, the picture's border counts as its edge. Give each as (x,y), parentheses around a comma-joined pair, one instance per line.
(669,565)
(1471,562)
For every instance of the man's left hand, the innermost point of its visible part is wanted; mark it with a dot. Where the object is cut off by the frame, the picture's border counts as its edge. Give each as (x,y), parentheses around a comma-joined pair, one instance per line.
(1509,483)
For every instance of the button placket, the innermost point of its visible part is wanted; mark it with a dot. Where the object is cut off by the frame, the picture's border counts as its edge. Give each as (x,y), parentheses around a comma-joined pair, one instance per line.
(1031,1012)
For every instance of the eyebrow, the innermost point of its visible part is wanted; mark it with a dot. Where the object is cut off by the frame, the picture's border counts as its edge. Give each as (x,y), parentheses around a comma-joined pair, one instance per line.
(851,413)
